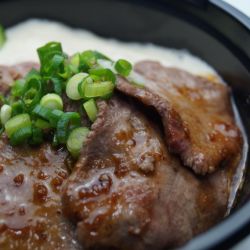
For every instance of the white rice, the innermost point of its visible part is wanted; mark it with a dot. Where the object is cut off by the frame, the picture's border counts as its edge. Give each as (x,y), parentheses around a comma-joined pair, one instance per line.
(24,38)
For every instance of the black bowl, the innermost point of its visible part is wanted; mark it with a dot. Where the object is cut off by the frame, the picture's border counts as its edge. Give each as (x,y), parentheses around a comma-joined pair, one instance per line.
(211,29)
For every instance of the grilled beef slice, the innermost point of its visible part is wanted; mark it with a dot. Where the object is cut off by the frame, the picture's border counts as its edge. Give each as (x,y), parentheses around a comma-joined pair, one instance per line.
(128,192)
(196,114)
(30,189)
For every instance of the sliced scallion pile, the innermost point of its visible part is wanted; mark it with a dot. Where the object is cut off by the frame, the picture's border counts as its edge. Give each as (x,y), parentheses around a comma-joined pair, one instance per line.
(36,103)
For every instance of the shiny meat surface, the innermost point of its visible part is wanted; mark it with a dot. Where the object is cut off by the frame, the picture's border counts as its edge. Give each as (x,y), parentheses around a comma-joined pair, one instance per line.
(30,190)
(30,198)
(196,114)
(128,192)
(8,74)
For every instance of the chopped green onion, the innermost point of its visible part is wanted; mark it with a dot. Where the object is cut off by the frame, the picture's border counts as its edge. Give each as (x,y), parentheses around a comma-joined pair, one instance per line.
(98,89)
(42,124)
(67,122)
(17,89)
(50,115)
(33,89)
(57,63)
(17,122)
(54,116)
(18,108)
(75,60)
(72,86)
(68,71)
(33,74)
(123,67)
(20,135)
(37,136)
(96,78)
(73,65)
(52,101)
(31,97)
(57,84)
(35,103)
(103,75)
(2,36)
(5,113)
(3,99)
(76,140)
(90,57)
(81,86)
(47,57)
(91,109)
(41,111)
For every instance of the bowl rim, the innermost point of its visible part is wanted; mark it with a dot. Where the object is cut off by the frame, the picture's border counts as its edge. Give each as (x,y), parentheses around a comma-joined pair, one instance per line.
(241,17)
(235,227)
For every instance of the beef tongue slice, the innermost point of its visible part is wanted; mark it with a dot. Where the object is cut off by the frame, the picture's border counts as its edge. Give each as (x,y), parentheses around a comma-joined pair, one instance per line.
(30,189)
(128,192)
(196,114)
(30,198)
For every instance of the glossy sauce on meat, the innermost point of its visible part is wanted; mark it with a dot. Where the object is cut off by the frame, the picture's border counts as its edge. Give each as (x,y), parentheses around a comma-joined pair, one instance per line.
(30,189)
(196,113)
(30,198)
(128,192)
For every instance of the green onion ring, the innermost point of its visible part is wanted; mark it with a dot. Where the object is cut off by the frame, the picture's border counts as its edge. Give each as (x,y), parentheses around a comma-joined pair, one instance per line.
(67,122)
(91,109)
(17,122)
(5,113)
(76,140)
(20,135)
(52,101)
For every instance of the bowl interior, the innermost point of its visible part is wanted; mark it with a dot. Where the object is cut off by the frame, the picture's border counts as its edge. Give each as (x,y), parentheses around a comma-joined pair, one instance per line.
(160,23)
